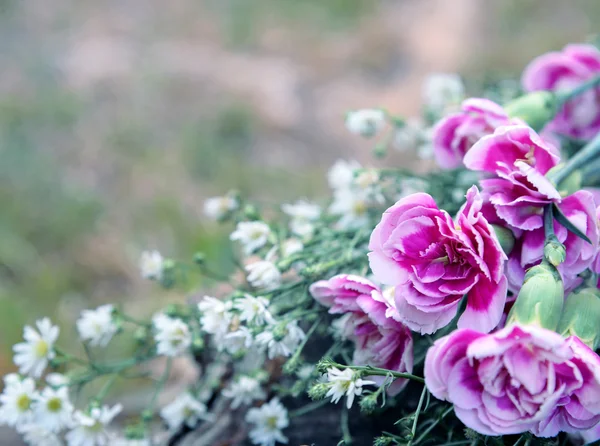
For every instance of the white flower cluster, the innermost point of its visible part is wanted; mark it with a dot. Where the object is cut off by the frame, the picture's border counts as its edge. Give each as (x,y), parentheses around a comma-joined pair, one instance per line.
(303,216)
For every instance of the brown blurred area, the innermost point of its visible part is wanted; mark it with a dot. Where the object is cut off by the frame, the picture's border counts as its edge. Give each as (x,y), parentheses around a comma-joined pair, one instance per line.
(119,117)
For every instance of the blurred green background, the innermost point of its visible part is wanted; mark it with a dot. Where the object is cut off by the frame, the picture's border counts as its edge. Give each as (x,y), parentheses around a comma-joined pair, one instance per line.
(118,118)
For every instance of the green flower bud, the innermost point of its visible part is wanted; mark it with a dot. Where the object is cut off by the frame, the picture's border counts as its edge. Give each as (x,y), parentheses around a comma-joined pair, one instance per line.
(197,344)
(541,298)
(368,403)
(380,150)
(251,212)
(581,317)
(199,258)
(554,251)
(291,365)
(147,415)
(383,441)
(141,334)
(505,237)
(318,391)
(536,109)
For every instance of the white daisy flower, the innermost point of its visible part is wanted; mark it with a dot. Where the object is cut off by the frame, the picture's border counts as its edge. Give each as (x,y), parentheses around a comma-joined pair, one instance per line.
(151,265)
(216,315)
(57,380)
(341,174)
(281,340)
(16,401)
(36,435)
(366,122)
(184,410)
(443,90)
(97,326)
(291,246)
(408,136)
(253,235)
(343,382)
(263,274)
(303,215)
(172,335)
(32,356)
(236,341)
(91,428)
(216,208)
(253,309)
(243,391)
(352,207)
(268,420)
(53,409)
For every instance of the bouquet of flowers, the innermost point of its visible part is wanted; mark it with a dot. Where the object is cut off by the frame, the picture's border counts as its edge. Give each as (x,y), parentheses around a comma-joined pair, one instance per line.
(455,307)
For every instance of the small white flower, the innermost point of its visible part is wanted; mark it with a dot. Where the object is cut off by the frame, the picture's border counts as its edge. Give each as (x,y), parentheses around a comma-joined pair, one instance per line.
(305,372)
(409,186)
(281,340)
(268,420)
(291,246)
(216,208)
(133,442)
(303,215)
(184,410)
(32,356)
(151,265)
(341,174)
(367,180)
(53,409)
(216,315)
(236,341)
(365,122)
(352,207)
(97,326)
(253,309)
(407,137)
(91,428)
(343,327)
(36,435)
(172,335)
(263,274)
(253,235)
(57,380)
(343,382)
(16,402)
(244,390)
(441,90)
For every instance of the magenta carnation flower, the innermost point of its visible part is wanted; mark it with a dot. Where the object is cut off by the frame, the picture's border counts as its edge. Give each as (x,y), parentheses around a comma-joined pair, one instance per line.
(455,134)
(518,160)
(434,261)
(563,71)
(518,379)
(379,339)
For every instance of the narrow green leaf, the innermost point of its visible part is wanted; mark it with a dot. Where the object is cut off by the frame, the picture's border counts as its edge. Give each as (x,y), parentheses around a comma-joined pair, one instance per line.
(563,220)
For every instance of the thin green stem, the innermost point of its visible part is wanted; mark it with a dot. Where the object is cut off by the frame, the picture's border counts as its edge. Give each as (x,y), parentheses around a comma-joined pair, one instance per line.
(591,83)
(161,383)
(308,408)
(379,371)
(306,338)
(413,431)
(433,425)
(345,427)
(548,222)
(106,388)
(590,151)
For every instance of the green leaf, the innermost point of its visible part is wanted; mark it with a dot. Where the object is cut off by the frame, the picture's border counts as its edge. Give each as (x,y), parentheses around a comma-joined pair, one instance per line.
(563,220)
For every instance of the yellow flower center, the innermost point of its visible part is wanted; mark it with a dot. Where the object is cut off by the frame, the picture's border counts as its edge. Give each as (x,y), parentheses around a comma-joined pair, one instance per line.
(23,402)
(359,208)
(272,422)
(41,349)
(54,405)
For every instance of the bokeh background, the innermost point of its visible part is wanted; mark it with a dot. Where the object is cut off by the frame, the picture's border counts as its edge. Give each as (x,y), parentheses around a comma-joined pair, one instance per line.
(119,117)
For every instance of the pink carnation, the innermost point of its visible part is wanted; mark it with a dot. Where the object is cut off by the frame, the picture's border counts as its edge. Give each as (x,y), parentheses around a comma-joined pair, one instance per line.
(518,379)
(434,261)
(518,160)
(563,71)
(379,339)
(455,134)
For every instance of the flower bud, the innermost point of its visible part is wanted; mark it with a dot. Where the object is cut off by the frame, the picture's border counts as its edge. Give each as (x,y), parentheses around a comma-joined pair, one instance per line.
(251,212)
(554,251)
(505,237)
(540,300)
(318,391)
(581,317)
(536,108)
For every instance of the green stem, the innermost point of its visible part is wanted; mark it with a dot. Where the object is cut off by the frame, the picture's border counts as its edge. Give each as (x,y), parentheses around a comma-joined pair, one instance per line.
(308,408)
(306,338)
(413,431)
(161,383)
(590,151)
(548,222)
(345,427)
(433,425)
(105,389)
(379,371)
(589,84)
